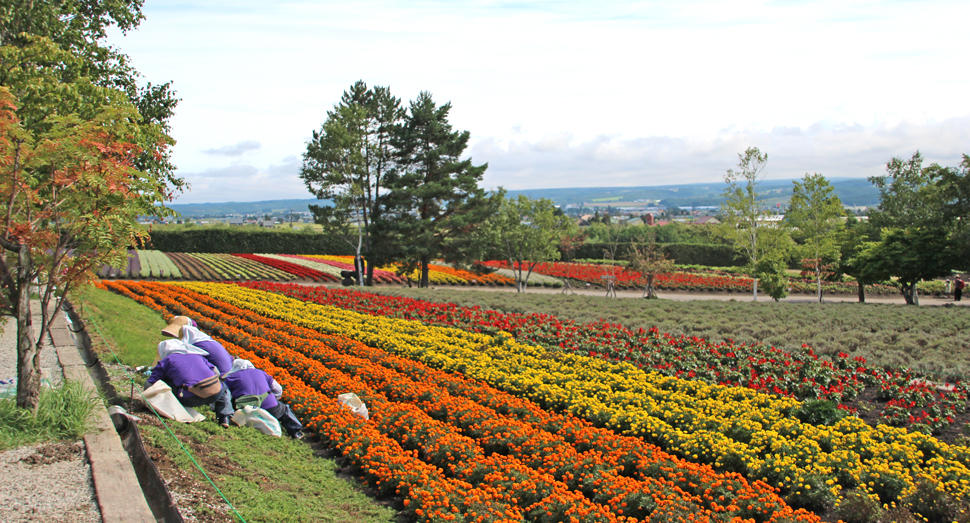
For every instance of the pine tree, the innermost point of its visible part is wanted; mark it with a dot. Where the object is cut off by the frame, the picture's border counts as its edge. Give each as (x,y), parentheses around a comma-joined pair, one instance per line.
(436,195)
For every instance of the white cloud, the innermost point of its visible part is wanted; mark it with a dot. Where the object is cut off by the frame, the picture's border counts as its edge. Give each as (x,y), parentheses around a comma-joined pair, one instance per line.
(243,182)
(234,150)
(835,150)
(596,93)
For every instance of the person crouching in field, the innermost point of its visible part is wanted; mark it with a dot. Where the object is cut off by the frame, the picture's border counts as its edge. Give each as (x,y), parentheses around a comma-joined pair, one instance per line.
(193,380)
(185,329)
(245,381)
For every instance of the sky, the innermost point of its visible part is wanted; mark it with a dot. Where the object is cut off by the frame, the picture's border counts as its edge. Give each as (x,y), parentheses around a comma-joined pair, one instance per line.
(566,93)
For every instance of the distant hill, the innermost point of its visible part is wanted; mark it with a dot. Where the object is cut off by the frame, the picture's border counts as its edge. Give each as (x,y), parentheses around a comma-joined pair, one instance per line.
(852,192)
(200,210)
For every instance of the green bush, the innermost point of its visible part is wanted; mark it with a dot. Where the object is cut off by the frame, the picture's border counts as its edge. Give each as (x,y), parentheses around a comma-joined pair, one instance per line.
(819,412)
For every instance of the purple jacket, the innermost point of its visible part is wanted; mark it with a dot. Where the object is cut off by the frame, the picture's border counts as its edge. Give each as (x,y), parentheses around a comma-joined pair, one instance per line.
(254,381)
(181,370)
(218,355)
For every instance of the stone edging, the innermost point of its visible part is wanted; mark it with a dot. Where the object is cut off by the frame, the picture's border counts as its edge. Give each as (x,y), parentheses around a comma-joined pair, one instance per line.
(120,497)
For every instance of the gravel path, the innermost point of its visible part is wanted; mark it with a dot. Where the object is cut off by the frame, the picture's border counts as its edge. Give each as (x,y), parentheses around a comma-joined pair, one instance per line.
(49,482)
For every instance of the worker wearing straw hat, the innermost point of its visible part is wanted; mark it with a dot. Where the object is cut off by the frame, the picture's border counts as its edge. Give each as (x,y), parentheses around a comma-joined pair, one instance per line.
(185,329)
(193,380)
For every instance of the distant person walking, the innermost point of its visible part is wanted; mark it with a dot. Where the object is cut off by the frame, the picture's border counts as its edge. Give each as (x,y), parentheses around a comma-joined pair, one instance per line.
(958,289)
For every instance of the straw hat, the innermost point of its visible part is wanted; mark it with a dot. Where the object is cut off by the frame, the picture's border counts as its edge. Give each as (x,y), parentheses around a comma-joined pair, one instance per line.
(174,327)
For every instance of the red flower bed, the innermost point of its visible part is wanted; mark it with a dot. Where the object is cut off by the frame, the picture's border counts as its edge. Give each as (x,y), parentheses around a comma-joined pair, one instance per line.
(292,268)
(594,273)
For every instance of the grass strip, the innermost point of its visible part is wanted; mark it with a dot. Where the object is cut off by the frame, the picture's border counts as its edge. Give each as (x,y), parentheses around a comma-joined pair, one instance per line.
(64,413)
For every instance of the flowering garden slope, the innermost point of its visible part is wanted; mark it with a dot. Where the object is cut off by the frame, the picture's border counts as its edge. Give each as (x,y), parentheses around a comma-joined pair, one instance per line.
(458,450)
(801,375)
(437,274)
(733,429)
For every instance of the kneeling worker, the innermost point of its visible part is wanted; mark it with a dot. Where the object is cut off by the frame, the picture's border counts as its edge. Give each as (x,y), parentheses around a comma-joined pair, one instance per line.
(249,384)
(193,380)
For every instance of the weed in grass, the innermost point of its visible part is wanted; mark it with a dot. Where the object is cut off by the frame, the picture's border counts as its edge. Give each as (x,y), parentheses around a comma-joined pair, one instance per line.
(64,413)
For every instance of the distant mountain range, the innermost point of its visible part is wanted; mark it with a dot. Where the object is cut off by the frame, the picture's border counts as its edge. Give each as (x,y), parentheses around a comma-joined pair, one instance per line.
(200,210)
(852,192)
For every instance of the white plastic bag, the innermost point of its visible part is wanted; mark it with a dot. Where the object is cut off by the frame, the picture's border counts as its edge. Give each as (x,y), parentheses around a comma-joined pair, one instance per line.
(259,419)
(352,402)
(160,396)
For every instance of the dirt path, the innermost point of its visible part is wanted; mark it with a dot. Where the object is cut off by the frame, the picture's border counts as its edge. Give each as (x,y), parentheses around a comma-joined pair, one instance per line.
(691,296)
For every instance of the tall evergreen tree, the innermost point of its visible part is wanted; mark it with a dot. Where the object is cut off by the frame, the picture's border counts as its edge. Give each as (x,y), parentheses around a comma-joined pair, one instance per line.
(436,195)
(349,162)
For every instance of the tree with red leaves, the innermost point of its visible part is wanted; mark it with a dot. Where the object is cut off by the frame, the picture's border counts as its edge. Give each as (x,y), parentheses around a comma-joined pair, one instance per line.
(71,196)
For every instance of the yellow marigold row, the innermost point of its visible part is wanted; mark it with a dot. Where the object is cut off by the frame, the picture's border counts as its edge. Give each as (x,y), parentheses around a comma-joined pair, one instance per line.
(730,427)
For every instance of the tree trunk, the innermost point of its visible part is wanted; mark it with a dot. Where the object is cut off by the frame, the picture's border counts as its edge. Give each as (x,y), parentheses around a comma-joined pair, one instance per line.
(756,289)
(649,292)
(28,352)
(425,261)
(862,292)
(909,293)
(818,278)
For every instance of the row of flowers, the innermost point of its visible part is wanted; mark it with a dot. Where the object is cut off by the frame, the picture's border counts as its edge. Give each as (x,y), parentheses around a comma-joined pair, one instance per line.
(345,263)
(731,428)
(798,374)
(292,268)
(526,458)
(280,267)
(688,280)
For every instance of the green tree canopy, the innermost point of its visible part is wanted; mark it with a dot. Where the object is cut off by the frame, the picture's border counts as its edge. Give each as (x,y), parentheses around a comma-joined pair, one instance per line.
(744,218)
(436,198)
(815,220)
(350,162)
(919,210)
(529,232)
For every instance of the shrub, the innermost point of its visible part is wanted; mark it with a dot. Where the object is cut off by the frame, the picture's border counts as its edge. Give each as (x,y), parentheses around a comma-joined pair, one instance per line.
(857,507)
(247,240)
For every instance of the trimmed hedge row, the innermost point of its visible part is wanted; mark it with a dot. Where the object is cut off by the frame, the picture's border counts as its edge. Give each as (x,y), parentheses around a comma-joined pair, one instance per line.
(248,240)
(682,253)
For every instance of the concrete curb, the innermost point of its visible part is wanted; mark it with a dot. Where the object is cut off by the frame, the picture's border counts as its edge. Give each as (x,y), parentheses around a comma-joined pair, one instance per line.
(120,497)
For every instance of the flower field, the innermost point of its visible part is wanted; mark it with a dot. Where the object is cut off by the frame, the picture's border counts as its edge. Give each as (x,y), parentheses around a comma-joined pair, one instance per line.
(539,442)
(716,281)
(459,450)
(276,267)
(801,374)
